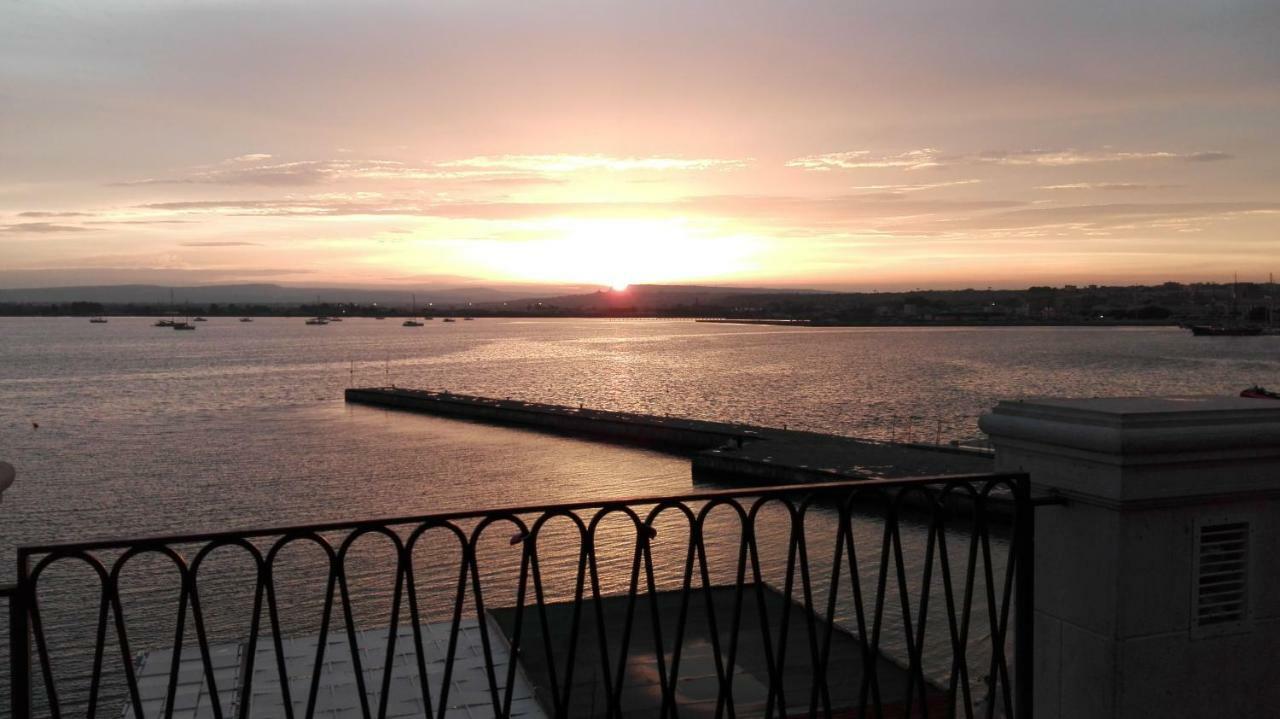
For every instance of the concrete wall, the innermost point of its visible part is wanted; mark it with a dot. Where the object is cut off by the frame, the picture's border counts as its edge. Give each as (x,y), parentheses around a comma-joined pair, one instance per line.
(1115,634)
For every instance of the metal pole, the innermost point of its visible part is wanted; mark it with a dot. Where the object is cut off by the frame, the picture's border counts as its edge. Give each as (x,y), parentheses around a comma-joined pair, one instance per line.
(1024,639)
(19,647)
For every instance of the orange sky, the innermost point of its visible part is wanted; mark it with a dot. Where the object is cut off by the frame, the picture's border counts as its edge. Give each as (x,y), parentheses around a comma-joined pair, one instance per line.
(838,145)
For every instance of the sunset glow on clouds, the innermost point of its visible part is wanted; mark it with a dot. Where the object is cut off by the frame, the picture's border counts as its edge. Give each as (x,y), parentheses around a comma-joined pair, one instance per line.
(877,145)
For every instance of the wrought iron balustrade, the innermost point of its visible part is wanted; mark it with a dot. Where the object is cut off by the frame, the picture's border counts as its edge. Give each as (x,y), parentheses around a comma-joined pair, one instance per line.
(879,598)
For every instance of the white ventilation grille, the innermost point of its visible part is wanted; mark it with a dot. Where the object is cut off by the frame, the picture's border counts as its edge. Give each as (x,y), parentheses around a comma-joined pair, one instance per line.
(1222,576)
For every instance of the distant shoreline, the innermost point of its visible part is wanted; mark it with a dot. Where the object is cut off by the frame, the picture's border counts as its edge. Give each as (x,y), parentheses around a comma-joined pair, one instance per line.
(773,322)
(948,323)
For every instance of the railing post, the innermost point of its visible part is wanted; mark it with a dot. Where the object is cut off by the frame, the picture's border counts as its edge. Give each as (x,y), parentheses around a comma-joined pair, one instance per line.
(1024,633)
(19,647)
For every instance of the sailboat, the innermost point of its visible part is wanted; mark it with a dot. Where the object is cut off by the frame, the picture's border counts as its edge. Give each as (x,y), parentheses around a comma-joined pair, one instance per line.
(412,322)
(167,322)
(1233,328)
(184,325)
(1271,328)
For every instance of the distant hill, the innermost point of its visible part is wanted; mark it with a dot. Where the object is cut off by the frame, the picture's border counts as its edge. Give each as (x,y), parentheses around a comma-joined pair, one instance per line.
(656,297)
(646,296)
(260,294)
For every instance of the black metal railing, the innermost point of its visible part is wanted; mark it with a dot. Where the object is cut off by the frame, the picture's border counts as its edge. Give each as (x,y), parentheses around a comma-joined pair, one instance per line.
(890,598)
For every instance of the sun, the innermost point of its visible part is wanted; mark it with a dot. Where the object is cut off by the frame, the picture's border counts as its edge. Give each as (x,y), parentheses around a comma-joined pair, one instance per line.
(620,286)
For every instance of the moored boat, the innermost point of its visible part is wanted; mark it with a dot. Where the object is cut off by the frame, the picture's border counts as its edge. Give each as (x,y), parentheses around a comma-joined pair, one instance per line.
(411,322)
(1236,328)
(1225,330)
(99,320)
(317,321)
(1259,392)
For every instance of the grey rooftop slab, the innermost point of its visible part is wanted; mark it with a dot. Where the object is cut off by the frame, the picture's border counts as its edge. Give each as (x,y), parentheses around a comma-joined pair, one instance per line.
(338,695)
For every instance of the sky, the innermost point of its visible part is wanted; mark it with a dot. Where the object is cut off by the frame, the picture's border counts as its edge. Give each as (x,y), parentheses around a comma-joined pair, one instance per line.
(858,144)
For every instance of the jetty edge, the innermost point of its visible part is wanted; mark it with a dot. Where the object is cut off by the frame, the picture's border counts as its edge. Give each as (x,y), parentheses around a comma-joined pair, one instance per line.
(719,451)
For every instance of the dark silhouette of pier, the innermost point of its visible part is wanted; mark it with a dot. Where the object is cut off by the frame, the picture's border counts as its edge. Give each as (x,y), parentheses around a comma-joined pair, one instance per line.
(719,451)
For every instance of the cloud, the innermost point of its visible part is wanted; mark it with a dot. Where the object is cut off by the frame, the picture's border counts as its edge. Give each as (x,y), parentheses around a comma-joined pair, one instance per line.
(518,181)
(116,271)
(55,227)
(1109,186)
(863,159)
(1082,218)
(220,244)
(560,163)
(514,169)
(1066,158)
(318,206)
(931,158)
(42,228)
(889,191)
(1208,156)
(137,222)
(304,172)
(838,208)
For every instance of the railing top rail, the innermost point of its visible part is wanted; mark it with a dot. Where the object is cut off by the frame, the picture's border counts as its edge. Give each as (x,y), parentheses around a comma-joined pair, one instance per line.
(705,495)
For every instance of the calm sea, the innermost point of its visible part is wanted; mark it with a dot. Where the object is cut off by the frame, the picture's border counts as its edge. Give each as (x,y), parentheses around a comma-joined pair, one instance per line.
(145,430)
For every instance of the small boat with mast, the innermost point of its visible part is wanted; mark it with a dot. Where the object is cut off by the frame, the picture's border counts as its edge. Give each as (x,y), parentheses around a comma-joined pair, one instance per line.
(412,321)
(170,322)
(186,325)
(1233,327)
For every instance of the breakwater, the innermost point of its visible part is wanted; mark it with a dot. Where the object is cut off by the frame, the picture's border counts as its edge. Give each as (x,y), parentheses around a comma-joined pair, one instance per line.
(718,451)
(667,433)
